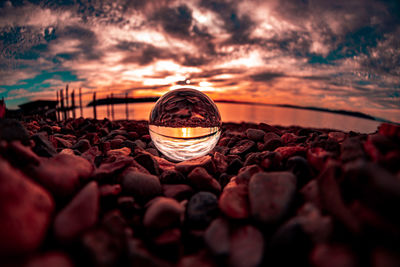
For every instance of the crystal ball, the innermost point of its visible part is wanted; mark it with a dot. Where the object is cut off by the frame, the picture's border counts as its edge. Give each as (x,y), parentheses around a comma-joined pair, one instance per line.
(184,123)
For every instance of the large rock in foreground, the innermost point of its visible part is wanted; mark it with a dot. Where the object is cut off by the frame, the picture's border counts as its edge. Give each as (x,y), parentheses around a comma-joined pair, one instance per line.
(25,212)
(271,195)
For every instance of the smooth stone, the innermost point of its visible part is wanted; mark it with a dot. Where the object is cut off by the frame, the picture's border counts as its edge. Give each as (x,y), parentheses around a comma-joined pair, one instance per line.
(120,152)
(271,195)
(217,237)
(82,145)
(188,165)
(172,177)
(201,209)
(270,136)
(79,215)
(147,160)
(247,247)
(327,255)
(390,130)
(177,191)
(63,174)
(299,167)
(289,138)
(272,144)
(202,181)
(352,149)
(102,248)
(234,166)
(19,154)
(331,197)
(11,130)
(243,147)
(246,172)
(25,212)
(141,186)
(163,213)
(255,134)
(317,157)
(50,259)
(108,170)
(234,202)
(290,151)
(43,147)
(220,161)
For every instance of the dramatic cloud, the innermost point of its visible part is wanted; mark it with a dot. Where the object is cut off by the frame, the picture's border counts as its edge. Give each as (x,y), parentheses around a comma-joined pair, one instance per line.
(335,54)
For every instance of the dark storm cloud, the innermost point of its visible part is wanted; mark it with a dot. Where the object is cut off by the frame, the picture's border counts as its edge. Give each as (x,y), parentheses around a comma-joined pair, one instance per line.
(175,20)
(266,76)
(238,26)
(87,41)
(144,54)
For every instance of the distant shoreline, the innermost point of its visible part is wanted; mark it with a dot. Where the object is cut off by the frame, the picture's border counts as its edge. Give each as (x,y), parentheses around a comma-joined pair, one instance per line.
(109,101)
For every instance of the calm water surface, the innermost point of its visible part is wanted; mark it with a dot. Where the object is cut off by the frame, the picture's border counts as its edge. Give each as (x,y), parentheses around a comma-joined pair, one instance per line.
(253,113)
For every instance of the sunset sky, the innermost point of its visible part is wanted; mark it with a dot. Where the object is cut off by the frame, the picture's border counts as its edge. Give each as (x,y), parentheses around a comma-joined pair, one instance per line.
(342,54)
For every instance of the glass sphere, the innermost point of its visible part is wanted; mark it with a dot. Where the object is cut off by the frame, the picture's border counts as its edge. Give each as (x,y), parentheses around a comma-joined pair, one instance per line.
(184,124)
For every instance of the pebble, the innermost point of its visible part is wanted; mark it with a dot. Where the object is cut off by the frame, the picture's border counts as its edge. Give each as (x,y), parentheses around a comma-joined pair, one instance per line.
(217,237)
(172,177)
(177,191)
(43,147)
(163,213)
(25,212)
(243,147)
(11,130)
(63,173)
(201,209)
(141,186)
(300,168)
(147,160)
(234,166)
(79,215)
(271,195)
(255,134)
(325,255)
(234,202)
(290,151)
(188,165)
(247,247)
(82,145)
(246,172)
(50,259)
(102,248)
(202,181)
(220,161)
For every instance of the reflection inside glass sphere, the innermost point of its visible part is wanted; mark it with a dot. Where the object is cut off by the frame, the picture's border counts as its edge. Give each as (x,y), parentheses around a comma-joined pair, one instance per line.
(184,124)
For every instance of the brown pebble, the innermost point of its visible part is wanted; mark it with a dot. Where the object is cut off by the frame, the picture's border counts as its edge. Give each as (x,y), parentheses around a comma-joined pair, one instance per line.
(203,181)
(234,202)
(271,195)
(80,214)
(25,212)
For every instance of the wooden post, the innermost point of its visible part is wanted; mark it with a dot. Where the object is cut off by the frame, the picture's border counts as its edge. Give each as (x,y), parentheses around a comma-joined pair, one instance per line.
(62,105)
(80,101)
(108,106)
(112,106)
(73,104)
(126,106)
(58,108)
(94,106)
(67,101)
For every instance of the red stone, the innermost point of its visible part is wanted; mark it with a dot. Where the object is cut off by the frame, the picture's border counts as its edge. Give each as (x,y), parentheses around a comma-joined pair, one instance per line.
(234,202)
(80,214)
(25,212)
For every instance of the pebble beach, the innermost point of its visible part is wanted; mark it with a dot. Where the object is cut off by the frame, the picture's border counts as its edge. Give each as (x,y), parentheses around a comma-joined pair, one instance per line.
(86,192)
